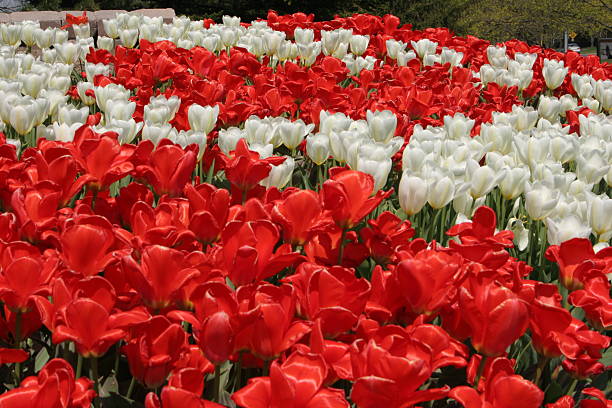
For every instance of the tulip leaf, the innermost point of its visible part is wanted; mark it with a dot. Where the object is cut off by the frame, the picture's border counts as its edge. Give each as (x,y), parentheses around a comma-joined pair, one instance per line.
(41,359)
(109,386)
(553,392)
(119,401)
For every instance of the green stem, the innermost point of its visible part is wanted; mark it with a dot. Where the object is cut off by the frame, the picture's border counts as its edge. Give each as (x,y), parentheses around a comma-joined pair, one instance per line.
(572,387)
(131,388)
(266,369)
(540,369)
(238,378)
(217,383)
(481,367)
(341,249)
(18,319)
(79,368)
(94,374)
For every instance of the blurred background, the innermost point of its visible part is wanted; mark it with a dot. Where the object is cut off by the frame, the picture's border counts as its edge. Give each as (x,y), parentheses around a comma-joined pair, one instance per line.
(542,22)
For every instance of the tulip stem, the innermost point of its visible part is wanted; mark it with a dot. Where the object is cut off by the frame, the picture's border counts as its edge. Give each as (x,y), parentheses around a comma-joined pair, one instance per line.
(18,318)
(217,383)
(341,249)
(481,367)
(572,387)
(79,367)
(131,388)
(96,379)
(540,369)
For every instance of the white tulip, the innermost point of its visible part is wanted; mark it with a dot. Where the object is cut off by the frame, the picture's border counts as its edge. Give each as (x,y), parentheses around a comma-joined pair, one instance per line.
(228,139)
(280,175)
(412,193)
(359,44)
(563,229)
(111,28)
(293,133)
(303,36)
(65,132)
(424,47)
(554,73)
(549,108)
(70,114)
(381,125)
(317,148)
(128,37)
(155,132)
(540,200)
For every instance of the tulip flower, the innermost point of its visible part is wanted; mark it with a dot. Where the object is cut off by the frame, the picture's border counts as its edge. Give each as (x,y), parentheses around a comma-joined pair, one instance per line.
(275,329)
(298,382)
(154,349)
(55,385)
(203,118)
(430,281)
(293,133)
(540,200)
(347,197)
(168,169)
(338,313)
(381,125)
(495,314)
(554,73)
(248,251)
(412,193)
(152,279)
(389,372)
(86,323)
(298,214)
(184,389)
(503,388)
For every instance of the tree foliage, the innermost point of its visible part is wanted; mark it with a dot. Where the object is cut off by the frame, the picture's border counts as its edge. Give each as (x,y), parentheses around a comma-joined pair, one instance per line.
(541,22)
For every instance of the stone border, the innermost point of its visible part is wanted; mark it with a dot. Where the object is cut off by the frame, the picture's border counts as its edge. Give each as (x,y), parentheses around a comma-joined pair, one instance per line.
(56,19)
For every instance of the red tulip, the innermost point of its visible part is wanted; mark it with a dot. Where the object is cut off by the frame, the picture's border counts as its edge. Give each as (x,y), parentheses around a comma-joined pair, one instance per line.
(248,251)
(296,383)
(576,258)
(389,369)
(496,316)
(87,244)
(334,295)
(430,280)
(154,350)
(168,169)
(297,214)
(36,209)
(346,197)
(502,389)
(23,281)
(183,391)
(55,386)
(245,170)
(594,299)
(384,235)
(86,323)
(103,159)
(209,210)
(160,277)
(275,329)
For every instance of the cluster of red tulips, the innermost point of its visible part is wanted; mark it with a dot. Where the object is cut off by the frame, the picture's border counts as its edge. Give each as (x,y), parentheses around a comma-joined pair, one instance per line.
(151,273)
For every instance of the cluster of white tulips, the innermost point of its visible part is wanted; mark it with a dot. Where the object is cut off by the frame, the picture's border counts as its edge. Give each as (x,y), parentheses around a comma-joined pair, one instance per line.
(523,156)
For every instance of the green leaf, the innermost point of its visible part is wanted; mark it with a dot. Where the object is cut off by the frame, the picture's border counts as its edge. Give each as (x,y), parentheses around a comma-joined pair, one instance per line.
(553,392)
(41,359)
(109,386)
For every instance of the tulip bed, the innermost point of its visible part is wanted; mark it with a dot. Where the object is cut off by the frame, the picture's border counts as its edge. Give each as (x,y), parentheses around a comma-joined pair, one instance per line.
(291,213)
